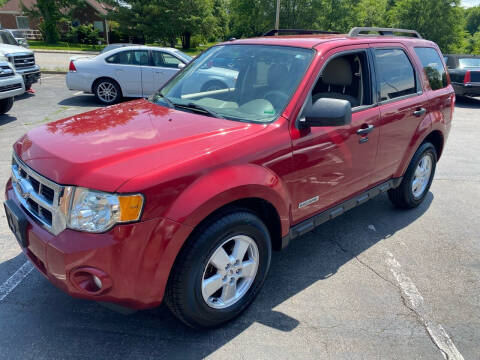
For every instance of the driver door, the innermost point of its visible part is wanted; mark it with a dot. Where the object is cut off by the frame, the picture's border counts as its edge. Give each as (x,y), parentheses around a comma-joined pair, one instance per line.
(334,163)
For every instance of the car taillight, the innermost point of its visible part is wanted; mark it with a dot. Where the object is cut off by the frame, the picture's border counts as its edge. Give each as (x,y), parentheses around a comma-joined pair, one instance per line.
(467,78)
(72,67)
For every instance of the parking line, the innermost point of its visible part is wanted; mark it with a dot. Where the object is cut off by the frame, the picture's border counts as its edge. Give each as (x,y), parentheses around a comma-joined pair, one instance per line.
(14,280)
(417,304)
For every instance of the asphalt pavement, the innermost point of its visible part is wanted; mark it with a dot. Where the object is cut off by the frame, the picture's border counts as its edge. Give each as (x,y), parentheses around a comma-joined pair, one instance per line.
(375,283)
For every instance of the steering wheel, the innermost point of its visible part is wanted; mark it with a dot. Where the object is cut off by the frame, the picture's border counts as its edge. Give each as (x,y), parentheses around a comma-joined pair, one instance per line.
(276,97)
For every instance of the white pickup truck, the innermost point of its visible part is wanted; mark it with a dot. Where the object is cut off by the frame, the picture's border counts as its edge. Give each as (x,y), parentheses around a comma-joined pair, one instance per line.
(11,85)
(22,59)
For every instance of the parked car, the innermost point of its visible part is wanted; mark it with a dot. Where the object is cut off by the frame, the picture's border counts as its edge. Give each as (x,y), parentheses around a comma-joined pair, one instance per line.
(116,46)
(19,37)
(134,71)
(22,59)
(464,71)
(11,85)
(182,197)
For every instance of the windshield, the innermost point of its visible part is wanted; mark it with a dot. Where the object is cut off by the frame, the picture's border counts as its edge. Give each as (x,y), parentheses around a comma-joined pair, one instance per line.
(469,62)
(250,83)
(7,38)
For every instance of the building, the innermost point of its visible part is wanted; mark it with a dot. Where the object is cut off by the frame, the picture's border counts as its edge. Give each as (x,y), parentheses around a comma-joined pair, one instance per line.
(93,12)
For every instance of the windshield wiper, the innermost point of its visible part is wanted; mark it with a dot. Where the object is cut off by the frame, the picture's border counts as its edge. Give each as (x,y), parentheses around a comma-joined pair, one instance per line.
(197,107)
(167,100)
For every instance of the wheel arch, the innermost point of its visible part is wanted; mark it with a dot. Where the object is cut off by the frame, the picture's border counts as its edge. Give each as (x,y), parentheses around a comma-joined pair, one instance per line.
(94,83)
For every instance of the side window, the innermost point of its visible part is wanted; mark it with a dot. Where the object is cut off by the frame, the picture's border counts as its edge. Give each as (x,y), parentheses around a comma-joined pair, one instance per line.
(395,74)
(165,60)
(433,67)
(345,77)
(131,57)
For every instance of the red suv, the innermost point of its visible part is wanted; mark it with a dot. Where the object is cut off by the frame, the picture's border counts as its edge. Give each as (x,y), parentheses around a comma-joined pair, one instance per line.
(183,196)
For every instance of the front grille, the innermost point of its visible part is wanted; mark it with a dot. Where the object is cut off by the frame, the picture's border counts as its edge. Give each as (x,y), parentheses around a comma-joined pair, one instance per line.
(6,71)
(23,61)
(39,196)
(10,87)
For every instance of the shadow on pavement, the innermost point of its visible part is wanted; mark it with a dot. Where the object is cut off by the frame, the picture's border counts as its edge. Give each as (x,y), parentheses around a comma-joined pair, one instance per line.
(86,100)
(6,119)
(39,319)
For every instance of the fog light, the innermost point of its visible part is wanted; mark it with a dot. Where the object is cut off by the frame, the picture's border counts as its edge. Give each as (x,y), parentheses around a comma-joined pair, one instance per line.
(97,282)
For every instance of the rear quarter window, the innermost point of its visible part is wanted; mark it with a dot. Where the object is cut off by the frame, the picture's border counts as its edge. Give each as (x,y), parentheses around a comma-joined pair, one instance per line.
(433,67)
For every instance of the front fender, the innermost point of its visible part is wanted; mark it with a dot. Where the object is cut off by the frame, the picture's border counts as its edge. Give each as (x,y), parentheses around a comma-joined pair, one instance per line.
(223,186)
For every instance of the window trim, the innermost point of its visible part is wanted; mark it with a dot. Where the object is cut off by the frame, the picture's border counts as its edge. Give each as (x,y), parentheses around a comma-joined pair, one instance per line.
(164,52)
(418,83)
(440,57)
(371,71)
(124,50)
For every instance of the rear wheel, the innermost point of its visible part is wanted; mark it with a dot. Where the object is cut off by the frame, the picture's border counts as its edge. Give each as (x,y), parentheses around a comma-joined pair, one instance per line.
(220,271)
(417,180)
(107,91)
(6,105)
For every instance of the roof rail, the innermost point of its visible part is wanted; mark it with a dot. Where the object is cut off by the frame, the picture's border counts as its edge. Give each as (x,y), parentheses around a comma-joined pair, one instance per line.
(275,32)
(357,31)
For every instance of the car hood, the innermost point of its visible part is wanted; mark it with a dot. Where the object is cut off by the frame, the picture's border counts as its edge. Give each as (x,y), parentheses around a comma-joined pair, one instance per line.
(102,149)
(12,49)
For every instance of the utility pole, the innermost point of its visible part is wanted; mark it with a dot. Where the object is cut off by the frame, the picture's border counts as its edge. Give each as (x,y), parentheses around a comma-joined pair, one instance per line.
(277,18)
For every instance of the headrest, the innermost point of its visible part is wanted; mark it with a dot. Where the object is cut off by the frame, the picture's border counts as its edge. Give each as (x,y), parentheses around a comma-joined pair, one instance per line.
(338,72)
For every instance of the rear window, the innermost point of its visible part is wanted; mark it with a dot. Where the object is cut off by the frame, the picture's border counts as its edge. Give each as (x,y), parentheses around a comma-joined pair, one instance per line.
(433,67)
(395,74)
(469,62)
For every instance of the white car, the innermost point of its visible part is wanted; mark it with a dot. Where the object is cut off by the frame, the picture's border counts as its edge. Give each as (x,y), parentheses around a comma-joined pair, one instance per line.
(11,85)
(133,71)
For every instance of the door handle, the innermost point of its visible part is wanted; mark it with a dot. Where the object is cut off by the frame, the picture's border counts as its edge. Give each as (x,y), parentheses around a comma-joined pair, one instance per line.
(365,131)
(419,112)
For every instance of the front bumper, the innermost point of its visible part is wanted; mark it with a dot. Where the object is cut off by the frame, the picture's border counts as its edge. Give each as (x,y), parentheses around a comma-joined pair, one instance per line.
(30,75)
(7,84)
(132,261)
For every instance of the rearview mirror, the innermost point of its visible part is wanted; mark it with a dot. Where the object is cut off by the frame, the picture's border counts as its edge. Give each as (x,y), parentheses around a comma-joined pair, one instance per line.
(328,112)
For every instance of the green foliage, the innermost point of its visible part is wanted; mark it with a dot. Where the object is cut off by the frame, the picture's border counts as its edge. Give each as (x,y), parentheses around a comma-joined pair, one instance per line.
(83,34)
(473,20)
(437,20)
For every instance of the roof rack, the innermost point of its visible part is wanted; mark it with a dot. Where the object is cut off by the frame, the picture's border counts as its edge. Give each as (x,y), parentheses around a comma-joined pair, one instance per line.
(275,32)
(358,31)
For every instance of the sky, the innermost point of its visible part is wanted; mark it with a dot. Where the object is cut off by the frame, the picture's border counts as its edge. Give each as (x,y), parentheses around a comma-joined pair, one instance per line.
(469,3)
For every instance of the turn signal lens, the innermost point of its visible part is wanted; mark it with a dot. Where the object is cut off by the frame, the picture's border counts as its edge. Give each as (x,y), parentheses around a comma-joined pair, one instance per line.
(130,207)
(467,78)
(72,67)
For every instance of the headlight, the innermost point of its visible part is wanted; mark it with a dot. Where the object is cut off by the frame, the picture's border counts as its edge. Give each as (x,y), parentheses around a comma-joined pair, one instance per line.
(95,211)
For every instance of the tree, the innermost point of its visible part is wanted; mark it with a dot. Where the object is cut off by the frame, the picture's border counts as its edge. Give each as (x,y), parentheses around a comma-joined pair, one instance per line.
(473,19)
(49,12)
(436,20)
(372,13)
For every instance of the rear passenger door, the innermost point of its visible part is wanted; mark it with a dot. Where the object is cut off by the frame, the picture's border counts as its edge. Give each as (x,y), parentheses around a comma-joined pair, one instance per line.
(160,69)
(126,68)
(403,105)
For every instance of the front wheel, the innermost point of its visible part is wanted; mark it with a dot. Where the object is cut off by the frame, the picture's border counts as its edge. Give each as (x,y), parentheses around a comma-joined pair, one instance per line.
(6,105)
(220,270)
(417,180)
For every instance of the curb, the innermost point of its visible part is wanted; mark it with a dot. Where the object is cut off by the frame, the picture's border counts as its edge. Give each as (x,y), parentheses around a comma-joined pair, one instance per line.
(76,52)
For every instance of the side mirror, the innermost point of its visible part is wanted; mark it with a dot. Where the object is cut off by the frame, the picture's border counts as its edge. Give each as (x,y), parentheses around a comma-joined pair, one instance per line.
(181,65)
(328,112)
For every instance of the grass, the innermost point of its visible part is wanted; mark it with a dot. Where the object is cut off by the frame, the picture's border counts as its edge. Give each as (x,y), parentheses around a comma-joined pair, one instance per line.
(41,45)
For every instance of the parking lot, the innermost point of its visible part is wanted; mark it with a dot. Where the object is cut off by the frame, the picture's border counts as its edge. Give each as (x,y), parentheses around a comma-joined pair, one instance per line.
(375,283)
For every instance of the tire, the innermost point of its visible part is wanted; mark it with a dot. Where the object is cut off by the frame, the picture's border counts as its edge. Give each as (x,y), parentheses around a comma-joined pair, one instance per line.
(6,105)
(214,85)
(107,91)
(186,294)
(408,196)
